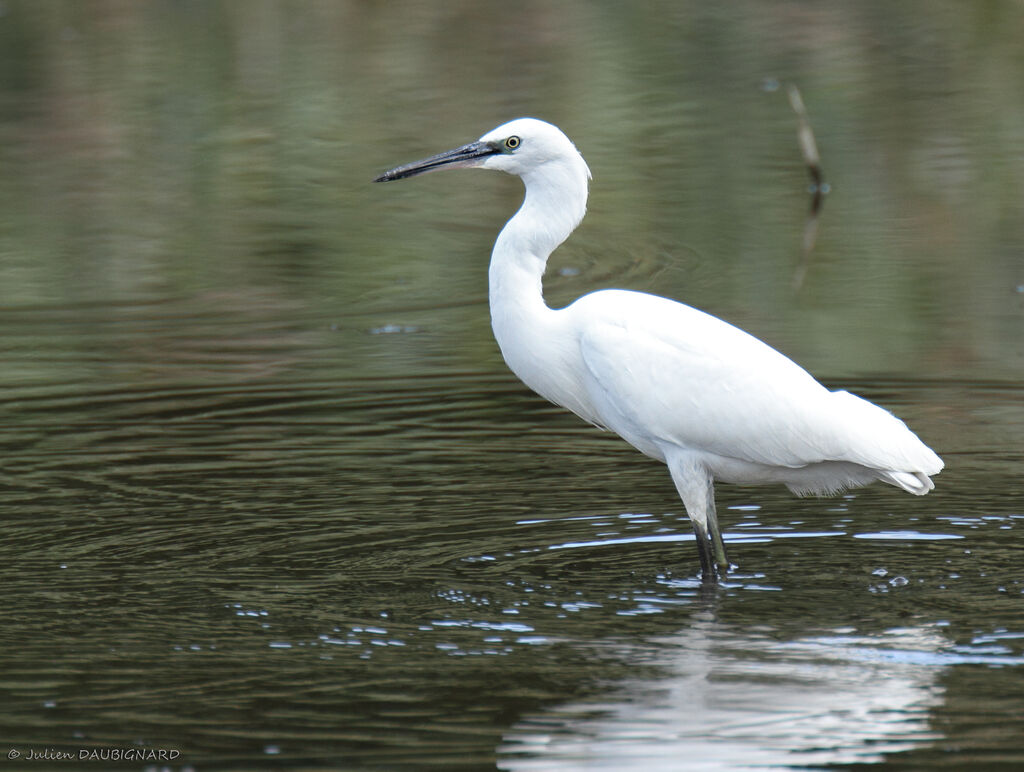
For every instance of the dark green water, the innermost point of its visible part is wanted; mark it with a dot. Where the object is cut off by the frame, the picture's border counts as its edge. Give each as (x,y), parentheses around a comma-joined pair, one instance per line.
(271,499)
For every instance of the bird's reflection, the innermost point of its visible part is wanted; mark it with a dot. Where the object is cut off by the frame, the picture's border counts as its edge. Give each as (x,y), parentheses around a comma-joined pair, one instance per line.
(736,700)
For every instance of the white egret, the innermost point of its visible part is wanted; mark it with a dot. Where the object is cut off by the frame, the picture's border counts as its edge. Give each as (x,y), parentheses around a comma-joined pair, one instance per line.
(700,395)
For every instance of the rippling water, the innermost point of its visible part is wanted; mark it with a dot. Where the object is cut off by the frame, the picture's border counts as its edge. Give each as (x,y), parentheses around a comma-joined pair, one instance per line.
(259,564)
(270,498)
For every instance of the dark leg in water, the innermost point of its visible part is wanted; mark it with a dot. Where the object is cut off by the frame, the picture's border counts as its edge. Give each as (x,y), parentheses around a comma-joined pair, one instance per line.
(717,542)
(696,488)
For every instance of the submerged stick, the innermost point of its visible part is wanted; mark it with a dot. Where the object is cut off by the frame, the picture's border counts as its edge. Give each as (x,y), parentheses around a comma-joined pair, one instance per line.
(818,189)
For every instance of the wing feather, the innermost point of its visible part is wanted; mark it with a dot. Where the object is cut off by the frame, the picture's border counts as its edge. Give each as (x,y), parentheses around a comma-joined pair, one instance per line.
(666,372)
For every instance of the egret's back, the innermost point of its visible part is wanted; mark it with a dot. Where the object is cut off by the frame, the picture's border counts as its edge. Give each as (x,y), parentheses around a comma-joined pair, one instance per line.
(665,375)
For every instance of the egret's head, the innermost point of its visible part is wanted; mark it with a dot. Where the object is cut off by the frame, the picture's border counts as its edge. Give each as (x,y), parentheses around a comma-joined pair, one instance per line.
(520,147)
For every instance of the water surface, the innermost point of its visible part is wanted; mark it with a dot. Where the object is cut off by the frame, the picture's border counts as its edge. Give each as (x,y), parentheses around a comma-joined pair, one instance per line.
(271,499)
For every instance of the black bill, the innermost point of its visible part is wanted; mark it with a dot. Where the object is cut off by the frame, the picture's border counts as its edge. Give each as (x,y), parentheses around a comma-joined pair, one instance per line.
(460,156)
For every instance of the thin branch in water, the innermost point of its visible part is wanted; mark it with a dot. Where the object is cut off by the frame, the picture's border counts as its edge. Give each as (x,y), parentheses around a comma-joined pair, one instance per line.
(818,189)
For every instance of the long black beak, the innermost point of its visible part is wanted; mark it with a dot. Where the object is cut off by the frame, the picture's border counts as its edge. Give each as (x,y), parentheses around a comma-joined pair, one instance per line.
(467,155)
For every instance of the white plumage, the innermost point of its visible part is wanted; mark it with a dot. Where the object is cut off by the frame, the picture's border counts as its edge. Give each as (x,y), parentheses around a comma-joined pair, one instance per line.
(681,386)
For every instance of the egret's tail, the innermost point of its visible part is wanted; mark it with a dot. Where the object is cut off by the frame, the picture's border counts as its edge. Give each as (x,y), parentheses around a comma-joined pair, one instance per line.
(883,443)
(917,483)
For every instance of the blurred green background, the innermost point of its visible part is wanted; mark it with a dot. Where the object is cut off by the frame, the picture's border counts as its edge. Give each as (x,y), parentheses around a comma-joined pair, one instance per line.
(271,497)
(200,150)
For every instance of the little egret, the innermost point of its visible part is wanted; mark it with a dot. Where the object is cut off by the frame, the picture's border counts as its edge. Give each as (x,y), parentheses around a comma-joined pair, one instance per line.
(700,395)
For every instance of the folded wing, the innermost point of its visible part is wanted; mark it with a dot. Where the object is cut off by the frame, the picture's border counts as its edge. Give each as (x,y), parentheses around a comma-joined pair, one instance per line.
(660,371)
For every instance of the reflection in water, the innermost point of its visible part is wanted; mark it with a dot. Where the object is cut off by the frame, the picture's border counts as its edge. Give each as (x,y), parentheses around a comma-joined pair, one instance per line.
(377,558)
(734,700)
(269,495)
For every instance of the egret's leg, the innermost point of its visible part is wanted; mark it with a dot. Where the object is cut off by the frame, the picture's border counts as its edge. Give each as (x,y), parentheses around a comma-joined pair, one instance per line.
(695,486)
(717,542)
(707,566)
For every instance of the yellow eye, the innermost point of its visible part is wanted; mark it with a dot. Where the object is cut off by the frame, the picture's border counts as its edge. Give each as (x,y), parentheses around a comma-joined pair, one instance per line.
(513,142)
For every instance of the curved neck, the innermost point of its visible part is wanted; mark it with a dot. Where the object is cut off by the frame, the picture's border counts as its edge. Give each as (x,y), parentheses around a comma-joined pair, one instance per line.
(530,335)
(555,202)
